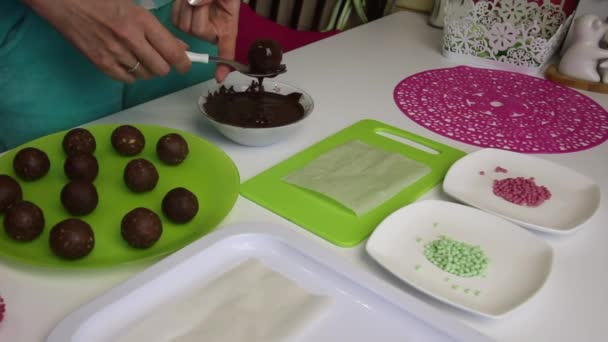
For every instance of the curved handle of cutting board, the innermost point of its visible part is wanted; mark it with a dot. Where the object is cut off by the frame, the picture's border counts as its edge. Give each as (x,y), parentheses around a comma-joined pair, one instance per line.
(425,150)
(409,140)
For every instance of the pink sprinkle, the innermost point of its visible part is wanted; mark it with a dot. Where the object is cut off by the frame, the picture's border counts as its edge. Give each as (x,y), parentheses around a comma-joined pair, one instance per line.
(2,309)
(500,170)
(482,173)
(521,191)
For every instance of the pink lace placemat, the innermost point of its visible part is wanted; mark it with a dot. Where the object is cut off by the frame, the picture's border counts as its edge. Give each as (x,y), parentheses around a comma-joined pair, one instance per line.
(501,109)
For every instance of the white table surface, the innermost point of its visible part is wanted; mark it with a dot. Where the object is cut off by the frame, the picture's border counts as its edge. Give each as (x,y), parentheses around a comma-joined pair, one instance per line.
(354,79)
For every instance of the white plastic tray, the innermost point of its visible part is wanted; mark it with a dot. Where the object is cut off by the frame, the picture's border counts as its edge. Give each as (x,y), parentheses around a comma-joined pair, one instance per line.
(519,263)
(575,197)
(363,308)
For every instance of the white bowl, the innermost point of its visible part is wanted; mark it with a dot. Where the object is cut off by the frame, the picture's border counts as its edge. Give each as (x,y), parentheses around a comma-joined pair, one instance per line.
(257,136)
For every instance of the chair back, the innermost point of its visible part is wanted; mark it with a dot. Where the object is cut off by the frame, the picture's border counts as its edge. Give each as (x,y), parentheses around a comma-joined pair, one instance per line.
(309,15)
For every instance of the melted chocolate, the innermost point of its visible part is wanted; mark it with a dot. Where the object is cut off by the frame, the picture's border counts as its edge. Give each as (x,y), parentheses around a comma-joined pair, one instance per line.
(254,108)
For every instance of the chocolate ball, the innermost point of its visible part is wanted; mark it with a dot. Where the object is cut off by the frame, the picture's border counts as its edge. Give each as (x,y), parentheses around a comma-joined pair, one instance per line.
(265,56)
(128,140)
(172,149)
(78,141)
(10,192)
(31,163)
(82,167)
(141,228)
(140,175)
(72,239)
(180,205)
(24,221)
(79,197)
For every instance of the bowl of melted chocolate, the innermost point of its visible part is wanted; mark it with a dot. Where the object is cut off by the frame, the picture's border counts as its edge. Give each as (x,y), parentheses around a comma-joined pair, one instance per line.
(252,115)
(256,112)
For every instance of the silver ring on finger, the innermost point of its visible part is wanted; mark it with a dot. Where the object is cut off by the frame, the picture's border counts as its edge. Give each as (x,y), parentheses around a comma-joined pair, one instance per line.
(134,68)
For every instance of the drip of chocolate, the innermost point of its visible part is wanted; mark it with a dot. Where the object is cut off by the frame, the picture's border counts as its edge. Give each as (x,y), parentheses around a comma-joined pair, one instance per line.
(254,108)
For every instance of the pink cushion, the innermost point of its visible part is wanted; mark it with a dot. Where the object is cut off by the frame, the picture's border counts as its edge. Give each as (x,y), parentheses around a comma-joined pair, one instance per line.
(253,27)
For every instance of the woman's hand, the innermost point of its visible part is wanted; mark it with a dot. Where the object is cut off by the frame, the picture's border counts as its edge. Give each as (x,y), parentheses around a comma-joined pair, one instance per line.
(117,36)
(215,21)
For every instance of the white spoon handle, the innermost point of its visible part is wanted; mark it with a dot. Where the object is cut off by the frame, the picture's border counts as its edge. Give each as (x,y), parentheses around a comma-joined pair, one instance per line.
(198,57)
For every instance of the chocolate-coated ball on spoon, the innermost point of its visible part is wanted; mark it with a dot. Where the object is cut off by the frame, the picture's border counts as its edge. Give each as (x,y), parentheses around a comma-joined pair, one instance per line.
(265,56)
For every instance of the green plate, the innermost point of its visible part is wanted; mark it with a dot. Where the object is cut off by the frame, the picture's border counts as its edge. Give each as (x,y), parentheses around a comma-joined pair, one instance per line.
(208,172)
(325,217)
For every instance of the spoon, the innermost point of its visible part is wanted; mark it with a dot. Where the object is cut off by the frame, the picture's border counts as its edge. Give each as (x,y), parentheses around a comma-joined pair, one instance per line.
(242,68)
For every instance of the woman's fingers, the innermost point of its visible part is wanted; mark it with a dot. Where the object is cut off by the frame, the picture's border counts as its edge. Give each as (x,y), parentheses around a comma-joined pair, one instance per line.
(185,17)
(118,72)
(149,57)
(156,48)
(175,12)
(130,64)
(202,26)
(226,49)
(172,50)
(226,20)
(143,73)
(128,60)
(117,34)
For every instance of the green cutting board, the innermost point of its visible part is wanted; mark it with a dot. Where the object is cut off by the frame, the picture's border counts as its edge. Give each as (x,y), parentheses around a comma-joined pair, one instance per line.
(207,171)
(324,216)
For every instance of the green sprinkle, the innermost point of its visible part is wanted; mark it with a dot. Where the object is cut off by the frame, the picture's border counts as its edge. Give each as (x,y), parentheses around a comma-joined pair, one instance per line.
(455,287)
(435,224)
(477,292)
(456,257)
(467,290)
(417,267)
(447,279)
(418,240)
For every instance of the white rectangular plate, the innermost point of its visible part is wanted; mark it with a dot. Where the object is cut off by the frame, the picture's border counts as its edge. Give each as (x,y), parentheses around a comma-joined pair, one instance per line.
(519,261)
(362,307)
(575,197)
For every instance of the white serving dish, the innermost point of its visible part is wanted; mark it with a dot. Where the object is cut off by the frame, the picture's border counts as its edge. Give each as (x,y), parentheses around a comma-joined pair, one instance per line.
(257,136)
(575,197)
(519,261)
(363,308)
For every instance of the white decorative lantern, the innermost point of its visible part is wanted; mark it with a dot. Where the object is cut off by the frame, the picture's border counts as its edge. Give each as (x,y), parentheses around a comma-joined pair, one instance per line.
(517,35)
